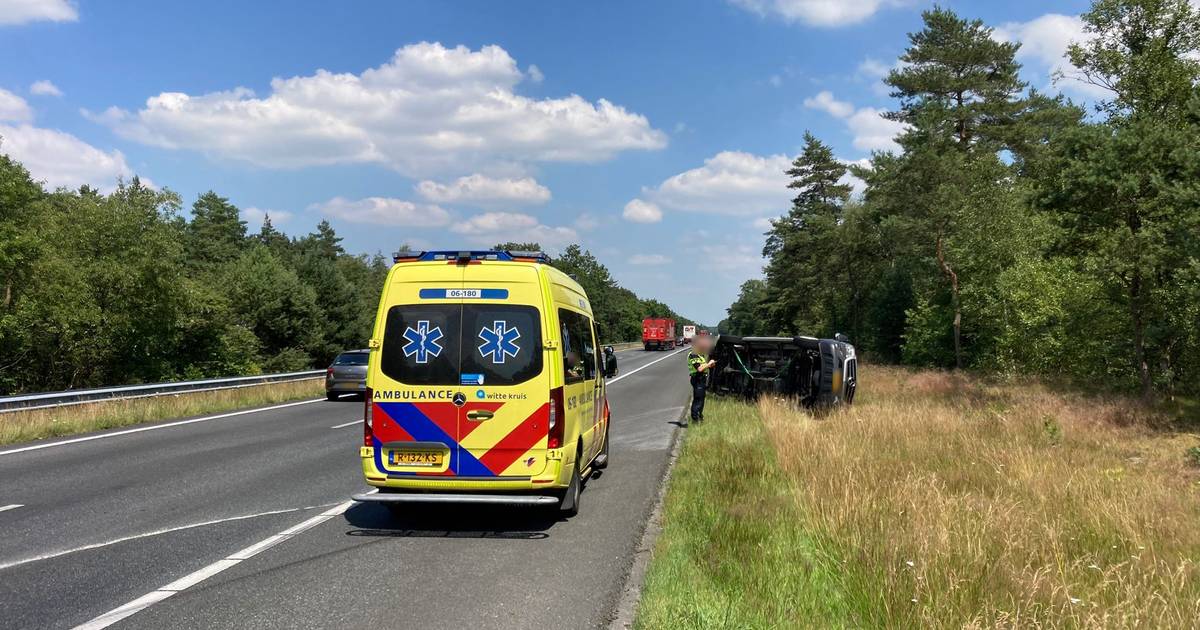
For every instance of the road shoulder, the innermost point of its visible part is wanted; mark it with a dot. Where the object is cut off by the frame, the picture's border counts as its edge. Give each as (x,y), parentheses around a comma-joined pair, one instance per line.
(631,592)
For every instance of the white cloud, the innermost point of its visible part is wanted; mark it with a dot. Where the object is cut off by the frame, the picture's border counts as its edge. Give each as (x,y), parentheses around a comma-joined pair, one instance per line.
(871,131)
(729,183)
(876,71)
(737,184)
(61,159)
(731,258)
(775,80)
(24,11)
(815,12)
(857,185)
(535,74)
(586,222)
(430,109)
(383,211)
(649,259)
(1044,42)
(44,88)
(873,68)
(493,227)
(255,216)
(825,102)
(13,108)
(56,157)
(640,211)
(483,190)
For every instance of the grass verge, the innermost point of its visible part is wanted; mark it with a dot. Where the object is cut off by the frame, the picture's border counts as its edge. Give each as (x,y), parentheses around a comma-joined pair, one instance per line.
(730,555)
(941,501)
(23,426)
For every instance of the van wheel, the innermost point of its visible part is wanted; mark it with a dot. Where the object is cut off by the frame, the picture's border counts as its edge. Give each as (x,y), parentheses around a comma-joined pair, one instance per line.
(569,506)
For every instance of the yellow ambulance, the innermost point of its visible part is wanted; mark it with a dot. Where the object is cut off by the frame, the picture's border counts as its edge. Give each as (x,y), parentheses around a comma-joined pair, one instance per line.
(485,383)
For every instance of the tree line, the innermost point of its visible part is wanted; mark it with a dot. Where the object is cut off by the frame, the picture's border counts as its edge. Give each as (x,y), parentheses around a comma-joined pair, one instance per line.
(617,310)
(118,288)
(121,288)
(1013,231)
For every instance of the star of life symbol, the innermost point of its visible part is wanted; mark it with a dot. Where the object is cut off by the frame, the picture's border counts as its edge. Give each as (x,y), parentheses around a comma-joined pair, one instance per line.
(499,341)
(422,341)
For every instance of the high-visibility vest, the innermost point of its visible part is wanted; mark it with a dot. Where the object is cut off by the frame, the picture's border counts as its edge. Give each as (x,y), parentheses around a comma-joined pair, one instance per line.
(694,363)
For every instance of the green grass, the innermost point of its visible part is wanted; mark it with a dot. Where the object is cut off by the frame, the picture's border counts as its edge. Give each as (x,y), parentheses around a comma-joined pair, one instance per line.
(24,426)
(730,554)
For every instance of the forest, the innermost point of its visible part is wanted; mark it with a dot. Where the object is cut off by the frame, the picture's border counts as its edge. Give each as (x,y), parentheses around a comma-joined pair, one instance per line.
(123,288)
(1014,232)
(618,311)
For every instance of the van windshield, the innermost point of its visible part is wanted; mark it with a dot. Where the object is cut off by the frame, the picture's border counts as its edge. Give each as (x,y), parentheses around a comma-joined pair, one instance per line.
(451,344)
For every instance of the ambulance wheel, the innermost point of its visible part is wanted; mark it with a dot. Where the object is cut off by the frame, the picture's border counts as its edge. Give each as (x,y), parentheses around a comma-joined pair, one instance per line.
(569,505)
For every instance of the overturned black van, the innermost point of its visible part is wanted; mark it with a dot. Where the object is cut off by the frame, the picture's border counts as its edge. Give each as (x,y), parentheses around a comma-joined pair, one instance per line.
(816,372)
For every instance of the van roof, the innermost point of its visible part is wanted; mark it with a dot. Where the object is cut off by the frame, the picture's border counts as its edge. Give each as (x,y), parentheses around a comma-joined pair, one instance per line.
(469,255)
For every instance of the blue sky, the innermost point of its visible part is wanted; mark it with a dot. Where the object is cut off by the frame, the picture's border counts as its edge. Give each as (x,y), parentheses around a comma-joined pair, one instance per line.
(652,133)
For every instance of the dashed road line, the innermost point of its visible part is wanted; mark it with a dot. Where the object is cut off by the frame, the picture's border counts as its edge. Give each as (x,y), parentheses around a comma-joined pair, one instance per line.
(196,577)
(346,424)
(11,506)
(157,532)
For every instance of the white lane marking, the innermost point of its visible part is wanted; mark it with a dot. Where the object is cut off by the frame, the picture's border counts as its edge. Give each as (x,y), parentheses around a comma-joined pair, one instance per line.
(12,506)
(157,532)
(167,425)
(342,426)
(639,369)
(196,577)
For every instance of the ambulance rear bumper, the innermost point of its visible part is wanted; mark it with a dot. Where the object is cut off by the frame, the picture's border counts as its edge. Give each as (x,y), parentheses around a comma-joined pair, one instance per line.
(429,497)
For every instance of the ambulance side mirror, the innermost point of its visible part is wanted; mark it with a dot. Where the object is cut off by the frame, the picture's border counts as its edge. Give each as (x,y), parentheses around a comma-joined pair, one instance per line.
(610,362)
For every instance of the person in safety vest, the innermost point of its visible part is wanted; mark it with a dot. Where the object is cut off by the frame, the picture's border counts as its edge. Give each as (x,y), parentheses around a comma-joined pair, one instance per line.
(698,366)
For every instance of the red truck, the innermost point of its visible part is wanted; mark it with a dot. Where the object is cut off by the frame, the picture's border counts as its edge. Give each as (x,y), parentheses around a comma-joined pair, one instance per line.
(658,333)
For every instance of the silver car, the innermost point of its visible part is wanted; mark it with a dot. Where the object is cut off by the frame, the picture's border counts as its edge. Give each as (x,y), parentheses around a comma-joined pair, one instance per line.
(347,374)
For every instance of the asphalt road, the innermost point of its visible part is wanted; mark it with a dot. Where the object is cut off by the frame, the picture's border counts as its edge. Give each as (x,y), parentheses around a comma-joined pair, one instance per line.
(105,522)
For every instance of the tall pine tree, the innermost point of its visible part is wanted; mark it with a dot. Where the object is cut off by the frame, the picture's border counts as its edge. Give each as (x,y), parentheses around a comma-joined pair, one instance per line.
(216,233)
(799,245)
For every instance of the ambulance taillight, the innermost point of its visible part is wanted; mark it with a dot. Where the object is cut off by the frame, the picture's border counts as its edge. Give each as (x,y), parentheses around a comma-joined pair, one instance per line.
(368,429)
(557,419)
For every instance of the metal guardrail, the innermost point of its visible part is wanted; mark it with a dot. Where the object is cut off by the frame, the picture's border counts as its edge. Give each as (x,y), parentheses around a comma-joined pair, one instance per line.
(29,402)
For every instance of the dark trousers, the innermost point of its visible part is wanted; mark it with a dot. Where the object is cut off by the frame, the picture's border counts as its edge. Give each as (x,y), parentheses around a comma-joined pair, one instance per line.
(699,386)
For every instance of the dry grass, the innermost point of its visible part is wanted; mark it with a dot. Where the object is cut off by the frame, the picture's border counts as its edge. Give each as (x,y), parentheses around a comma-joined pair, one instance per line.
(23,426)
(954,502)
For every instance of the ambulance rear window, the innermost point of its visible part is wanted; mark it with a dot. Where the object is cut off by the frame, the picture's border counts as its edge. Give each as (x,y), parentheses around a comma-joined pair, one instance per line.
(501,343)
(421,344)
(452,344)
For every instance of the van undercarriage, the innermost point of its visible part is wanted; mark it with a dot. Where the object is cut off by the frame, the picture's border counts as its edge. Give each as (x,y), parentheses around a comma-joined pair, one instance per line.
(815,372)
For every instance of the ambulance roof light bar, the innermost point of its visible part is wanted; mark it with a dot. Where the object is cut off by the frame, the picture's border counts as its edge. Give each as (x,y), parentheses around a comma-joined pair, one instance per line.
(465,256)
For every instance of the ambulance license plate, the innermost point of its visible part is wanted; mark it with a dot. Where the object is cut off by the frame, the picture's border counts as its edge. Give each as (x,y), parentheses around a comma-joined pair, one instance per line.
(431,459)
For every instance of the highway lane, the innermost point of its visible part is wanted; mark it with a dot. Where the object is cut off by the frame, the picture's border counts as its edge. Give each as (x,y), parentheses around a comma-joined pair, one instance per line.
(234,481)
